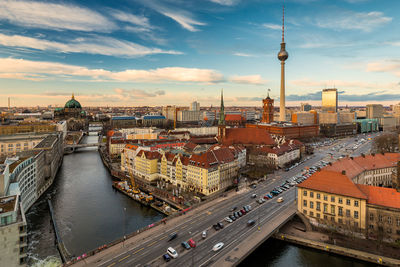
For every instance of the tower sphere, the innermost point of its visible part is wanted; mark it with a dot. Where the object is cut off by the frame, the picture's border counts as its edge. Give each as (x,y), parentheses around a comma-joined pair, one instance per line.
(283,55)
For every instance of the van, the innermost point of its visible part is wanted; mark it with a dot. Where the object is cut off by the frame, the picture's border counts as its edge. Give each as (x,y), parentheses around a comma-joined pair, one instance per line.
(204,234)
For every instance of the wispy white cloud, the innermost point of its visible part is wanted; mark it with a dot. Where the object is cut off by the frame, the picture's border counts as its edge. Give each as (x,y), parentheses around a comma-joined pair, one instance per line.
(272,26)
(45,15)
(141,21)
(138,93)
(239,54)
(249,79)
(27,69)
(364,21)
(389,66)
(93,45)
(183,17)
(226,2)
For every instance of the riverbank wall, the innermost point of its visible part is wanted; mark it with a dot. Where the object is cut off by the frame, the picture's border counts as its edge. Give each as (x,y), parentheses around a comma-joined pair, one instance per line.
(343,251)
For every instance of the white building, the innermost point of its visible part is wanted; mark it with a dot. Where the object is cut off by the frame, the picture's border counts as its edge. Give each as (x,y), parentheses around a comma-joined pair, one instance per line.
(195,106)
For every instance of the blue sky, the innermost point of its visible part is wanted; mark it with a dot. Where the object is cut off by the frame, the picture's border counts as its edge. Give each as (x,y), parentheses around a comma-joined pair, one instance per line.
(159,52)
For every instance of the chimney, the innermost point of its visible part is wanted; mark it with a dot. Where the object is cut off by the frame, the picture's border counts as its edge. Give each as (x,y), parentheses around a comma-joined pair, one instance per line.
(363,155)
(330,163)
(373,154)
(343,172)
(351,157)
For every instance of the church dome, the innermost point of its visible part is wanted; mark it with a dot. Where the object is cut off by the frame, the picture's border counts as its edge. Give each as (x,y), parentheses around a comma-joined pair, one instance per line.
(72,103)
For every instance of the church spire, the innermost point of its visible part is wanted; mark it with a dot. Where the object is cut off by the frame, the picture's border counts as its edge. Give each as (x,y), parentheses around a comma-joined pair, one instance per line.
(73,97)
(221,120)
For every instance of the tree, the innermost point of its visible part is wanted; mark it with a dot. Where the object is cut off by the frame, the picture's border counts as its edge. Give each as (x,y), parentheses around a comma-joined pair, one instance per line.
(385,143)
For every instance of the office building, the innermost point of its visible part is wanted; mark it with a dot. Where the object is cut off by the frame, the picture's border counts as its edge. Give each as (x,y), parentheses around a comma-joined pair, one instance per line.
(374,111)
(330,100)
(305,107)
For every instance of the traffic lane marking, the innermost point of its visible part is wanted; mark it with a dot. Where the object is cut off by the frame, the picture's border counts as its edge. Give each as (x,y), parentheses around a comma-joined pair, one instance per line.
(149,245)
(124,258)
(111,264)
(137,251)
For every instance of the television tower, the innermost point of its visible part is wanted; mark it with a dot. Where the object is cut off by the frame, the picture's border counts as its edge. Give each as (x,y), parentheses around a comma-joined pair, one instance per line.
(282,56)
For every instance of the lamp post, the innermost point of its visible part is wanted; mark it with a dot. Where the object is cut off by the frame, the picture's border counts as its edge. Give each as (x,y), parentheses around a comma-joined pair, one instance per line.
(123,243)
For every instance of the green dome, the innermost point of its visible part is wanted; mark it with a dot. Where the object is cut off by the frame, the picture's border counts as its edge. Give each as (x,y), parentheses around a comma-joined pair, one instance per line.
(72,103)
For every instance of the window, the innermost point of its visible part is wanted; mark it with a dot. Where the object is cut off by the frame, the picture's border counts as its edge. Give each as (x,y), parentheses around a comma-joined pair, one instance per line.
(332,199)
(340,200)
(311,205)
(325,207)
(371,226)
(348,202)
(304,211)
(347,213)
(380,218)
(311,213)
(318,195)
(398,222)
(355,203)
(389,220)
(340,220)
(371,217)
(325,197)
(305,193)
(305,203)
(318,215)
(311,194)
(318,206)
(340,211)
(332,209)
(356,214)
(325,217)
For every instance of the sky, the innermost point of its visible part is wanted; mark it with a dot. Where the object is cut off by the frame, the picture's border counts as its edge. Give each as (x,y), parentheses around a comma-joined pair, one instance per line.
(173,52)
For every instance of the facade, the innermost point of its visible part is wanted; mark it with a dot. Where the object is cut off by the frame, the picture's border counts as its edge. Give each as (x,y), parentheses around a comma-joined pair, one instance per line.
(328,118)
(72,109)
(305,107)
(195,106)
(374,111)
(153,120)
(330,100)
(333,130)
(346,117)
(146,165)
(388,124)
(169,112)
(13,232)
(189,115)
(367,125)
(304,118)
(288,130)
(268,110)
(11,145)
(35,127)
(123,122)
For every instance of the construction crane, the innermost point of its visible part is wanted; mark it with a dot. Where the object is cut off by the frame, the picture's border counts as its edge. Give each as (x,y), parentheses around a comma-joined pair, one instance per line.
(135,189)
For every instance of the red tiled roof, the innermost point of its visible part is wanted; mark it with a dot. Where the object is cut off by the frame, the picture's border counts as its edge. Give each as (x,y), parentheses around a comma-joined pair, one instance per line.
(190,146)
(207,140)
(247,136)
(334,183)
(386,197)
(149,154)
(233,117)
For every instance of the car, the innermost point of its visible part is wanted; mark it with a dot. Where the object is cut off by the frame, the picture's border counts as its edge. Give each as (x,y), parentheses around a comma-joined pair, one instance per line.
(216,227)
(166,257)
(236,214)
(279,200)
(192,243)
(218,246)
(220,225)
(246,209)
(253,195)
(233,218)
(253,186)
(261,200)
(251,222)
(204,234)
(172,252)
(249,207)
(240,213)
(243,211)
(229,220)
(172,236)
(185,245)
(269,196)
(233,208)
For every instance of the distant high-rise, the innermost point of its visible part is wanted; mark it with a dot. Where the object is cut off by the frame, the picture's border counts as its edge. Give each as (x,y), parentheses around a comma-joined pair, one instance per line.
(329,100)
(374,111)
(305,107)
(282,56)
(195,106)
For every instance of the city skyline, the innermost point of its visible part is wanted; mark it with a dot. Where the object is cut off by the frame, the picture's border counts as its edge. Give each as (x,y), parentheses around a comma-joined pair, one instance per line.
(135,53)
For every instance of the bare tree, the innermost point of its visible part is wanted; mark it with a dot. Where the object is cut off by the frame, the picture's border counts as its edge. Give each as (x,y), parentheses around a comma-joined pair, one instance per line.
(385,143)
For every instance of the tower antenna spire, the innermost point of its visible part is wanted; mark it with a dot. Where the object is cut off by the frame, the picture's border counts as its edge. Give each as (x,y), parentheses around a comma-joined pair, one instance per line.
(283,23)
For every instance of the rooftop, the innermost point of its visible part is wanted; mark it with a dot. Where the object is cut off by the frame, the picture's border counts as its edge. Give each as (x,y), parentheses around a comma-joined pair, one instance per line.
(386,197)
(48,141)
(7,204)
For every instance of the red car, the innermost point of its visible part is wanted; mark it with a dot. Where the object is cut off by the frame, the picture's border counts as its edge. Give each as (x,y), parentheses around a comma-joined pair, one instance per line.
(243,211)
(266,197)
(192,243)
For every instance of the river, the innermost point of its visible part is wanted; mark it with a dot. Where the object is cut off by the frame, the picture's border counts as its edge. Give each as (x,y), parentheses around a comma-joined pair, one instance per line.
(90,213)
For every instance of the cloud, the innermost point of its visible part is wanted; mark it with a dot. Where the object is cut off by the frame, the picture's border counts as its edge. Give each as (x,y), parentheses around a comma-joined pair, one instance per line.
(272,26)
(26,69)
(54,16)
(317,96)
(364,21)
(306,83)
(225,2)
(93,45)
(390,66)
(248,99)
(141,21)
(184,18)
(238,54)
(138,93)
(249,79)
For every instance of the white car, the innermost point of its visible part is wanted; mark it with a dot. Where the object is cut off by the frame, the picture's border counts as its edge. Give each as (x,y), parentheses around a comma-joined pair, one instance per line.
(229,220)
(218,246)
(172,252)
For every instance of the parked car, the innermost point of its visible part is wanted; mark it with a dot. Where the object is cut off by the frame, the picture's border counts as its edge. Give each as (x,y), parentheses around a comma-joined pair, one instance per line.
(192,243)
(249,207)
(172,236)
(218,246)
(185,245)
(266,197)
(172,252)
(233,208)
(254,195)
(233,218)
(251,222)
(240,213)
(279,200)
(166,257)
(243,211)
(229,220)
(216,227)
(246,209)
(204,234)
(220,225)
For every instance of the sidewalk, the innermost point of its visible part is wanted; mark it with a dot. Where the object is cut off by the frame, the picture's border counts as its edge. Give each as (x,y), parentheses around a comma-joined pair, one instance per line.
(119,248)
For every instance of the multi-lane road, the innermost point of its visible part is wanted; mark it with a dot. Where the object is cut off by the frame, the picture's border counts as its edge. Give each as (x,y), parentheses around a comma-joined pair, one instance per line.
(149,251)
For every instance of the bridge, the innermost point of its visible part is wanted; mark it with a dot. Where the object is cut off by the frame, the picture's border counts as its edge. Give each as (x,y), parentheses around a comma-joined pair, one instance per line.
(147,245)
(70,148)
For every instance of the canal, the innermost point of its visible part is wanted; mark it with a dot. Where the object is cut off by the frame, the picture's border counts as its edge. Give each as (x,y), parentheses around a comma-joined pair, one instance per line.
(90,213)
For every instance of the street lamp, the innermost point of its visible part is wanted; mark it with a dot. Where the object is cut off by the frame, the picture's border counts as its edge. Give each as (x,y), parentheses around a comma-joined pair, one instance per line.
(123,242)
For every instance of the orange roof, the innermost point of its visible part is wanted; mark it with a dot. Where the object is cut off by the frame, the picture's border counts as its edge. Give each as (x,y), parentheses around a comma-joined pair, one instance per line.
(381,196)
(233,117)
(249,136)
(334,183)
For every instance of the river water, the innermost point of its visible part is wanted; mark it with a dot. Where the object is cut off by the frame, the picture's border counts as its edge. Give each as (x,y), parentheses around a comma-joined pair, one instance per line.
(90,213)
